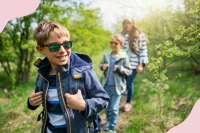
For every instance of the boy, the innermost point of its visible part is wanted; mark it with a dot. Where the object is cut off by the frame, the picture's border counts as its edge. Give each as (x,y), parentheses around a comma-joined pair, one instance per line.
(67,87)
(116,66)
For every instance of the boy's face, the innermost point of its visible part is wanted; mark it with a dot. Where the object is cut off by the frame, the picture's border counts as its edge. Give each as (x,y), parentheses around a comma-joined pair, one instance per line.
(58,58)
(115,45)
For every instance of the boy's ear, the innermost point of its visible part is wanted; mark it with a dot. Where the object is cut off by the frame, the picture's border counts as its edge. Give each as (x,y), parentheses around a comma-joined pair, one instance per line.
(39,49)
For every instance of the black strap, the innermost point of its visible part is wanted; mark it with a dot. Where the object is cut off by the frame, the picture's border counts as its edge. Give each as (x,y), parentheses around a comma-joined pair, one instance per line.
(41,115)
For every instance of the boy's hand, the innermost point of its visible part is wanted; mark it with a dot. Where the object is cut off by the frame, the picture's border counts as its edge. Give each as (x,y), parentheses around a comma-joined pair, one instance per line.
(140,68)
(115,68)
(75,101)
(35,99)
(105,66)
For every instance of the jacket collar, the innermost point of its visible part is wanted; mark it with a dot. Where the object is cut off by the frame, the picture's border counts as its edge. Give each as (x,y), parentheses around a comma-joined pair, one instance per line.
(77,62)
(122,54)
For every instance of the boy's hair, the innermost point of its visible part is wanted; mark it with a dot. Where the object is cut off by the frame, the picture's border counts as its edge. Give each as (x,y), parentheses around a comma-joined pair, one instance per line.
(119,38)
(42,32)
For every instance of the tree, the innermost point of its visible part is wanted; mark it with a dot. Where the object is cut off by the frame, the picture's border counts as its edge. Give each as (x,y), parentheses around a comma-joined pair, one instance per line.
(184,45)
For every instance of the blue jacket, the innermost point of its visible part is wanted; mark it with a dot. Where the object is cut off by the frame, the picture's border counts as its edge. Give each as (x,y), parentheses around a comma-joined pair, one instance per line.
(77,74)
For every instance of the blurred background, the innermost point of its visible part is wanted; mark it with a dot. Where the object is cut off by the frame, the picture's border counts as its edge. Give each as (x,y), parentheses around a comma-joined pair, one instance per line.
(164,93)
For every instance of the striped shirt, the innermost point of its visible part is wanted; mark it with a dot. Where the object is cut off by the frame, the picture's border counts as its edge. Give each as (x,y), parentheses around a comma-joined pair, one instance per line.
(56,120)
(139,57)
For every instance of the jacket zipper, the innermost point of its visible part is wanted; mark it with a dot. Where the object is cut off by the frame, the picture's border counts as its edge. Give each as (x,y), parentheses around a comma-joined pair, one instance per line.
(45,104)
(107,72)
(70,130)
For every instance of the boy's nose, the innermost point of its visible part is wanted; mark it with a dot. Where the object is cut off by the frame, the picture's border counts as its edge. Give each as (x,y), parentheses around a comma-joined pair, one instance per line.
(61,48)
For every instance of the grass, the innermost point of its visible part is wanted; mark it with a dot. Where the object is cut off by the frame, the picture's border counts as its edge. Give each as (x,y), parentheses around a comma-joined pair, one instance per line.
(15,116)
(178,101)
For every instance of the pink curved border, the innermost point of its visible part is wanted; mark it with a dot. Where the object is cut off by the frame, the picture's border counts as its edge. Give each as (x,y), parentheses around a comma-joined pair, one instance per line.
(10,9)
(192,122)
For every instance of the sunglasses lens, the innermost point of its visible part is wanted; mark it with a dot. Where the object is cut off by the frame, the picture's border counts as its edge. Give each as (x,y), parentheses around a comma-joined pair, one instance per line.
(67,44)
(115,43)
(54,47)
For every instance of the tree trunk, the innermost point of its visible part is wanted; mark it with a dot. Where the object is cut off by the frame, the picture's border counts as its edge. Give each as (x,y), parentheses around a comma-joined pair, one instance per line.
(24,67)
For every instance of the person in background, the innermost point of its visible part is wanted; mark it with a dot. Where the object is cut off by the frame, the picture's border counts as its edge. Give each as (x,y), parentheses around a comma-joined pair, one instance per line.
(116,66)
(66,86)
(136,47)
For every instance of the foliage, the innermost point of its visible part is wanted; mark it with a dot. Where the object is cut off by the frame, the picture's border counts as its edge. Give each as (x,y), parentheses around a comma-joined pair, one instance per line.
(184,45)
(88,33)
(159,88)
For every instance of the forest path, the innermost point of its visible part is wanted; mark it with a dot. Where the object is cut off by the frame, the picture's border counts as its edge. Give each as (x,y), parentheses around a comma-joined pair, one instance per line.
(123,117)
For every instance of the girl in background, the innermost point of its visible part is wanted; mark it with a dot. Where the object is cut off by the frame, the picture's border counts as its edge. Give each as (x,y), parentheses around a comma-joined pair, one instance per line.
(136,47)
